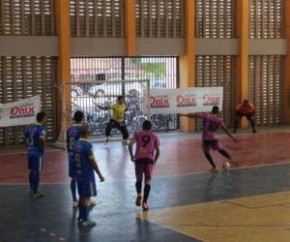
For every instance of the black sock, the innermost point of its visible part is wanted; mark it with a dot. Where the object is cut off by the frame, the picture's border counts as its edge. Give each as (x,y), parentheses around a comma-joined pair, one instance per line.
(146,192)
(138,186)
(209,158)
(225,154)
(253,125)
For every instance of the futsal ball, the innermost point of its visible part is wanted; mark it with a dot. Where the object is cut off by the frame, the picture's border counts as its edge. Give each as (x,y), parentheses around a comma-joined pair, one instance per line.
(226,165)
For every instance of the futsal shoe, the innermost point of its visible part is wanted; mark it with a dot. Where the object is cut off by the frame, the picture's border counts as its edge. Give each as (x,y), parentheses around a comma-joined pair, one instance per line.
(138,200)
(92,203)
(37,195)
(88,223)
(145,206)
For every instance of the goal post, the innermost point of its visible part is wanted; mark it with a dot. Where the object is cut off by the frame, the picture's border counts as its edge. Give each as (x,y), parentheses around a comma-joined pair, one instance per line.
(85,96)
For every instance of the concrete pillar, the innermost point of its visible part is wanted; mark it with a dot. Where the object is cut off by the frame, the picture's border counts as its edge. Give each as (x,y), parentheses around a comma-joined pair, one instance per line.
(130,27)
(63,66)
(287,65)
(187,62)
(242,77)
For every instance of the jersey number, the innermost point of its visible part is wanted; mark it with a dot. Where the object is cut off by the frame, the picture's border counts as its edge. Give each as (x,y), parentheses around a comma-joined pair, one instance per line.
(78,160)
(145,140)
(30,140)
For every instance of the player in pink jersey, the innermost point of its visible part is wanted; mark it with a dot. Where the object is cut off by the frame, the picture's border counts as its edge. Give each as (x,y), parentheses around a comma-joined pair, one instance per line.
(211,122)
(146,154)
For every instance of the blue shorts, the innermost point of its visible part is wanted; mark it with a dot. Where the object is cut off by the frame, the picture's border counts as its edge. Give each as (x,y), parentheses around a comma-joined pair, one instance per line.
(71,165)
(35,162)
(87,189)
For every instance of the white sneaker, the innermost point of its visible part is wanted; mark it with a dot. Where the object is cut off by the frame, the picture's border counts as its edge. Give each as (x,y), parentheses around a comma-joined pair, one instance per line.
(75,204)
(88,223)
(92,203)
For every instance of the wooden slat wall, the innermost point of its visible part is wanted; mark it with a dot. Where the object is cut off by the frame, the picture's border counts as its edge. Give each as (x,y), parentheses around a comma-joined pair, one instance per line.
(212,71)
(29,17)
(97,18)
(266,73)
(215,19)
(160,18)
(23,77)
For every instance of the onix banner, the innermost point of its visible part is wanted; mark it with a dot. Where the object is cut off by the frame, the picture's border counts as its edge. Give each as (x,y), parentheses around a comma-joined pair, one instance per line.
(19,113)
(185,100)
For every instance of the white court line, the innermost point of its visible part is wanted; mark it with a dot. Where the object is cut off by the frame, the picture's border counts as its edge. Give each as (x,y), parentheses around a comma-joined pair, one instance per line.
(51,234)
(165,176)
(26,184)
(25,152)
(234,168)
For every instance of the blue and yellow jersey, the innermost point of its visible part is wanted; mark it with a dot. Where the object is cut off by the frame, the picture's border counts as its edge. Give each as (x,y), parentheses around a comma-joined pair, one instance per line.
(34,135)
(83,151)
(72,135)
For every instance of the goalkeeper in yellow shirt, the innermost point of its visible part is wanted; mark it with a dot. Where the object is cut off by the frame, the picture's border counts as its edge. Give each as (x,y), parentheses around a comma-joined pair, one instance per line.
(118,118)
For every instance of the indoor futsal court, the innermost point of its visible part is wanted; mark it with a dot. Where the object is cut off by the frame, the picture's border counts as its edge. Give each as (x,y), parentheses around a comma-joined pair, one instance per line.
(122,62)
(187,201)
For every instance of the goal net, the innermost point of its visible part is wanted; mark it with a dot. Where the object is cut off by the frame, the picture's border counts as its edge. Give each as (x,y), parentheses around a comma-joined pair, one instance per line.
(85,96)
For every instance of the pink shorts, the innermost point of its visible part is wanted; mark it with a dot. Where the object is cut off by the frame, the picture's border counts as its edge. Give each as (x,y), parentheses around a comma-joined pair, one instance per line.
(211,144)
(146,169)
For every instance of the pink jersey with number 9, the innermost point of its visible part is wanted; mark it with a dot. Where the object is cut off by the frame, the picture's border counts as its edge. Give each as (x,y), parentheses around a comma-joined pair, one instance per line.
(146,142)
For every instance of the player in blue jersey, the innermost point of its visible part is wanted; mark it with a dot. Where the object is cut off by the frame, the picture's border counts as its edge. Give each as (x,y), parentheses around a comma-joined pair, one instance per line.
(85,164)
(35,140)
(72,135)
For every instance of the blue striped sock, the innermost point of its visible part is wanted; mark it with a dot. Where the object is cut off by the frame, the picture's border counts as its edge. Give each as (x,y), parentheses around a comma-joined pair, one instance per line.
(86,213)
(36,182)
(31,181)
(73,189)
(81,213)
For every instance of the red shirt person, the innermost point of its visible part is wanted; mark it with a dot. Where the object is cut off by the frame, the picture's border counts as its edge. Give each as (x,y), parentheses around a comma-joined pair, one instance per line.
(245,109)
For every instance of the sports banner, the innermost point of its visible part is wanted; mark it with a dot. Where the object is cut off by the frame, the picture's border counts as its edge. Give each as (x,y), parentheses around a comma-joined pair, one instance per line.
(185,100)
(19,113)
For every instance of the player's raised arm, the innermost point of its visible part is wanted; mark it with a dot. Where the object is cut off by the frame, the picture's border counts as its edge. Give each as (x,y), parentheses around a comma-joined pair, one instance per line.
(228,132)
(102,108)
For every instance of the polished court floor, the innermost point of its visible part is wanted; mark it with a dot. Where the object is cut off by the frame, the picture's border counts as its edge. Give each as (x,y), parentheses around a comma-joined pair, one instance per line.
(187,201)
